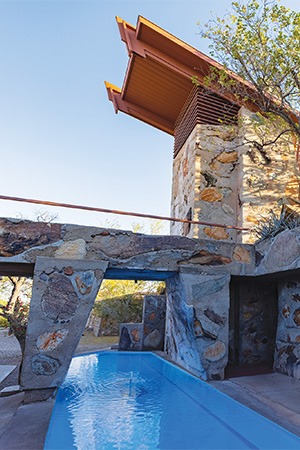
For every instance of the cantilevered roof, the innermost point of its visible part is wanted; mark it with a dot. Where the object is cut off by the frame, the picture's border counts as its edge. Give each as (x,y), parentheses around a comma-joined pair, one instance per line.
(158,80)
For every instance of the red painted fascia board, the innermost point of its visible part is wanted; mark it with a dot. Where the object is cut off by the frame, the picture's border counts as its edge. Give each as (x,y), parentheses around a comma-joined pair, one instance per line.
(128,35)
(129,69)
(112,92)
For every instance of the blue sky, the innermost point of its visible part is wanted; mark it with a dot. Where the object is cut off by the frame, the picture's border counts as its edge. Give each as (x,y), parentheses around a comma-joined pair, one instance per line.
(60,139)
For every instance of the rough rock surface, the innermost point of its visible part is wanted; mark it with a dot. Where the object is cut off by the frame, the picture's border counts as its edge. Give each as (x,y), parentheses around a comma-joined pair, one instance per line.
(59,310)
(150,333)
(197,316)
(197,274)
(287,354)
(154,318)
(225,181)
(131,337)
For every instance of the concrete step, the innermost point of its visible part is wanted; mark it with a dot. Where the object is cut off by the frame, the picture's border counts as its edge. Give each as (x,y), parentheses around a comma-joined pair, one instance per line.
(5,371)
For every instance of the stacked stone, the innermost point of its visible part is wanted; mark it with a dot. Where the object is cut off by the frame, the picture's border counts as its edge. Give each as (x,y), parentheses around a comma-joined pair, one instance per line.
(205,181)
(63,295)
(150,334)
(287,354)
(70,261)
(222,175)
(197,323)
(269,177)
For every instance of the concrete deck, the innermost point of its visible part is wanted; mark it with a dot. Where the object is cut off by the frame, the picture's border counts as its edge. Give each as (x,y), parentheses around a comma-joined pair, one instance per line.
(274,396)
(23,426)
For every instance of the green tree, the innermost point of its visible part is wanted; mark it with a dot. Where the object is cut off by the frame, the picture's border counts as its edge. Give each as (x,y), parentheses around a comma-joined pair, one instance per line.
(120,288)
(260,42)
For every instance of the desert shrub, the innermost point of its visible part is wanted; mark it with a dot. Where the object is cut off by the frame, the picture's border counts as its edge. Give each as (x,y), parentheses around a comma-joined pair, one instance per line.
(274,224)
(117,310)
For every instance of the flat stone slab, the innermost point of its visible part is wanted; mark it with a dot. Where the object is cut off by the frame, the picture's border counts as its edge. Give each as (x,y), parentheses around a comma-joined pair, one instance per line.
(8,408)
(25,426)
(277,387)
(5,371)
(275,396)
(10,390)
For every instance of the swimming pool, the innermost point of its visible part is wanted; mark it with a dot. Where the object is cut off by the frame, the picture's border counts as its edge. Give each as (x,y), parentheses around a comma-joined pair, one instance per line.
(119,400)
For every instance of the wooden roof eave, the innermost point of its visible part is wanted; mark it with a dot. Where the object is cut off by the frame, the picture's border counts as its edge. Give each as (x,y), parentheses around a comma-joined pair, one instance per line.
(115,96)
(130,36)
(149,41)
(184,49)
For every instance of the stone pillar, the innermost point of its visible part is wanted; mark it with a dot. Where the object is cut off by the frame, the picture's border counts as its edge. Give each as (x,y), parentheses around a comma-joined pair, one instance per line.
(221,176)
(154,319)
(131,337)
(287,353)
(197,323)
(62,297)
(205,182)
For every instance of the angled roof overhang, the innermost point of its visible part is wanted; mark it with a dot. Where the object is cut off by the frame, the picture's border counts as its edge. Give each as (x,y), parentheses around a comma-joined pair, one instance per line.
(158,79)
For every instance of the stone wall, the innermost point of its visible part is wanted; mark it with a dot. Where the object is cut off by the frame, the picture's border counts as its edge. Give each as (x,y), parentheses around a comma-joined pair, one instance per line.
(278,254)
(287,354)
(70,261)
(269,177)
(253,321)
(197,323)
(150,333)
(183,187)
(220,177)
(131,337)
(180,344)
(281,257)
(154,319)
(205,182)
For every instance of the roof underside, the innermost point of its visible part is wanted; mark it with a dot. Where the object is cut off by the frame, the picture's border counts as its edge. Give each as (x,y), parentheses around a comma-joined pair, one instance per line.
(158,81)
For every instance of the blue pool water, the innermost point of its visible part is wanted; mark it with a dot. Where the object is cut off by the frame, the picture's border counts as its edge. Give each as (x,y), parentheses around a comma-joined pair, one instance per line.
(138,401)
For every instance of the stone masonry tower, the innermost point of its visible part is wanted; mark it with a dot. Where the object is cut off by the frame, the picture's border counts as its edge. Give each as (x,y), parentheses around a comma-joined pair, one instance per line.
(218,176)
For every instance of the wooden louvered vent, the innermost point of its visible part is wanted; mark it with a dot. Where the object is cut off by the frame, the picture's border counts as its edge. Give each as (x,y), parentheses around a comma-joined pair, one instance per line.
(202,107)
